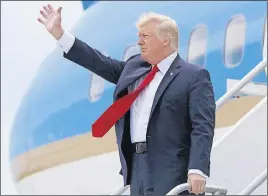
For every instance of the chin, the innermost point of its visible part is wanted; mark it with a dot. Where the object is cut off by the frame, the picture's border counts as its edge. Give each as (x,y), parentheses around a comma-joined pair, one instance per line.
(144,56)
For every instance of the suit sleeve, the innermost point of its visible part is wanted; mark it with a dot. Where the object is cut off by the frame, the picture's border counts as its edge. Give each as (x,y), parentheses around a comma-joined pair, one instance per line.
(202,113)
(108,68)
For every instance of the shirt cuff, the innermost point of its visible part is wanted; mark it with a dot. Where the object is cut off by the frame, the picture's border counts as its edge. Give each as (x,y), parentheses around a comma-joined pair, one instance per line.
(197,171)
(66,41)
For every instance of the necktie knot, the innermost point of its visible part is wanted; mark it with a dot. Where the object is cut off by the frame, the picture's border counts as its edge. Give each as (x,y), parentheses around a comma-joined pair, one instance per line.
(155,68)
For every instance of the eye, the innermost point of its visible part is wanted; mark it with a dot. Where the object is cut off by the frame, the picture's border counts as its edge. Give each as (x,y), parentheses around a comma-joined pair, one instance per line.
(143,35)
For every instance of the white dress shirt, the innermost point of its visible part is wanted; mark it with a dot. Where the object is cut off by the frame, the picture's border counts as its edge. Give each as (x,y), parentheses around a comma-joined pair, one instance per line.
(141,108)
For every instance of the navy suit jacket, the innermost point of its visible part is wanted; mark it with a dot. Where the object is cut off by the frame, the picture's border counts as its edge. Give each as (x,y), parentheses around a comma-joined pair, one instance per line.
(182,120)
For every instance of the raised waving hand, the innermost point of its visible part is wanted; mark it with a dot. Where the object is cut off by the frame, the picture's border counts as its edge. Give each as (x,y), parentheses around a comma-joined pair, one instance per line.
(51,19)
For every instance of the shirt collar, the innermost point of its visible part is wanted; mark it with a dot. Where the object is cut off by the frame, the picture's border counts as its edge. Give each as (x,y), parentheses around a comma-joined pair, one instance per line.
(164,65)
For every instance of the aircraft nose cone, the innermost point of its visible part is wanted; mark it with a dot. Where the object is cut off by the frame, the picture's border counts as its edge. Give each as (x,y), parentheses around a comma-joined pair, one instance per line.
(52,125)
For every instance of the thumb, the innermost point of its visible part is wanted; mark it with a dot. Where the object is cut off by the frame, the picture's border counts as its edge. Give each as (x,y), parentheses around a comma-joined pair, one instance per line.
(59,10)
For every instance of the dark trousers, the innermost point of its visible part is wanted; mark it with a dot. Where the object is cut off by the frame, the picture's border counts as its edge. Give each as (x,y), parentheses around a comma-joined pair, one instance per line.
(140,183)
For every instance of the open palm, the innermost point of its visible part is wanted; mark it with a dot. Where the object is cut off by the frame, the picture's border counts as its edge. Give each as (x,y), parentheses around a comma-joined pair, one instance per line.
(52,20)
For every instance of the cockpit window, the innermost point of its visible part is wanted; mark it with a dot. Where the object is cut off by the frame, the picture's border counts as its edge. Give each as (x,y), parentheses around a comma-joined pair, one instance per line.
(234,41)
(130,51)
(198,45)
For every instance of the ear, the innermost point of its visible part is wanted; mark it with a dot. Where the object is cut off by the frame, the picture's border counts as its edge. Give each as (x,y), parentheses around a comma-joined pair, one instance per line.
(166,42)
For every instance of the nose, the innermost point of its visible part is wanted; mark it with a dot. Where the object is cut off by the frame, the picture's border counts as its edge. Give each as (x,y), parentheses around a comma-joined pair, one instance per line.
(140,42)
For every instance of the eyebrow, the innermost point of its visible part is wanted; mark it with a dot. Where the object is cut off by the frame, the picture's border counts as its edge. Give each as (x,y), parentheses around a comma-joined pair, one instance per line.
(143,34)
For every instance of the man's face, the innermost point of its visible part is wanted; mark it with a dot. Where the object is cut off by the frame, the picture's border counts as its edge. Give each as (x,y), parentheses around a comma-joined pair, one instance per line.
(151,46)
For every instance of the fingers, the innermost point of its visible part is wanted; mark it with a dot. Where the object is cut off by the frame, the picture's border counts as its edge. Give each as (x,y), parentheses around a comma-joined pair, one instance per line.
(202,187)
(43,14)
(190,185)
(196,185)
(59,10)
(199,187)
(41,21)
(50,8)
(48,11)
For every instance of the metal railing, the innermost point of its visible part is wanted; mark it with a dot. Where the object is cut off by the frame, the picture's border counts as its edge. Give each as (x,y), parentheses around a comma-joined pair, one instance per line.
(215,190)
(254,184)
(247,78)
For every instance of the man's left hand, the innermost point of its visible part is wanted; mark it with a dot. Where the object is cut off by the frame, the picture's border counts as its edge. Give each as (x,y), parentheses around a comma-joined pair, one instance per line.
(197,183)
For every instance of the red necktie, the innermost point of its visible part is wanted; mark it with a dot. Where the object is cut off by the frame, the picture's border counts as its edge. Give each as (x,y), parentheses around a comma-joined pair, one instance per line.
(119,108)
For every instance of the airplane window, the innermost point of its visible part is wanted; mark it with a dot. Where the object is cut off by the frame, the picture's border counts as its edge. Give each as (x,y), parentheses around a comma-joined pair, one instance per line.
(198,45)
(234,41)
(96,86)
(131,51)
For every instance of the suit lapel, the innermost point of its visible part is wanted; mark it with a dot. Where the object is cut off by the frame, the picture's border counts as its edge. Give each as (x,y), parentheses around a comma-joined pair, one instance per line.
(168,77)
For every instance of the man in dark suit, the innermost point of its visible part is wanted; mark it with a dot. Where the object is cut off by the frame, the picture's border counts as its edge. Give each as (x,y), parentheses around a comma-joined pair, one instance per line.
(163,110)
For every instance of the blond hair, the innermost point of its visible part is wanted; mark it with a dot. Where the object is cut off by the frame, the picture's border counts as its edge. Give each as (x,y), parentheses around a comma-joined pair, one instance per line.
(167,27)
